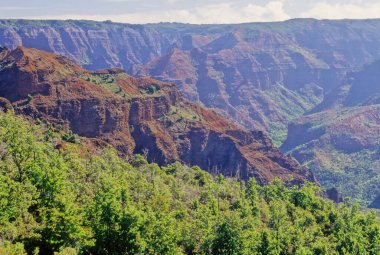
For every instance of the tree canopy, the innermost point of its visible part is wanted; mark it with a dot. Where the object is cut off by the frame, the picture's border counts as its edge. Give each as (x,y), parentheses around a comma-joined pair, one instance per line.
(62,200)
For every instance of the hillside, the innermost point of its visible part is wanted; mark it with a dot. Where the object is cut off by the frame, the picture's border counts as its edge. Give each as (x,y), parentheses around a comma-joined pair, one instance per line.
(68,200)
(137,115)
(340,141)
(263,75)
(314,74)
(357,89)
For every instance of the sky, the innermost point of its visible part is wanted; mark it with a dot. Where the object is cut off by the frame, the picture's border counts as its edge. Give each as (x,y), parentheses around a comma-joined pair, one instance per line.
(189,11)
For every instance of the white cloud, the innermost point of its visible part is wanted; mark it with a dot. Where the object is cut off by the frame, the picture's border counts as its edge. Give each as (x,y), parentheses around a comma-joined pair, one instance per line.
(211,14)
(14,8)
(343,11)
(273,11)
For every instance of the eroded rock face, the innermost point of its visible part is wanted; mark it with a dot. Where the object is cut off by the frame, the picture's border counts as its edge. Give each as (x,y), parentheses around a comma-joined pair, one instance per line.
(261,74)
(138,115)
(339,139)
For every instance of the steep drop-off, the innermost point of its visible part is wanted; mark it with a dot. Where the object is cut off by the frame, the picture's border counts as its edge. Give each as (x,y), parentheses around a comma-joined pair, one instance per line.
(137,115)
(340,139)
(261,74)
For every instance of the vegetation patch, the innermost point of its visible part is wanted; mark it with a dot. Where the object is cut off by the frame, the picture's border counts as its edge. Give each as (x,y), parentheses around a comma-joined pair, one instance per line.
(59,201)
(108,82)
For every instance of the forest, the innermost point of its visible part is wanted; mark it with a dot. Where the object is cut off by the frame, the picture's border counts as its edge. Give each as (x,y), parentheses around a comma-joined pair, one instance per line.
(59,197)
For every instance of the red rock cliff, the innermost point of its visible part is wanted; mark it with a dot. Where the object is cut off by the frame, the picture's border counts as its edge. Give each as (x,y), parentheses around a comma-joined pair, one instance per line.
(137,115)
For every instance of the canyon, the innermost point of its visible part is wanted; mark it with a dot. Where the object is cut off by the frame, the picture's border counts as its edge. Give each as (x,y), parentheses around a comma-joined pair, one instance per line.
(339,139)
(309,85)
(137,116)
(261,74)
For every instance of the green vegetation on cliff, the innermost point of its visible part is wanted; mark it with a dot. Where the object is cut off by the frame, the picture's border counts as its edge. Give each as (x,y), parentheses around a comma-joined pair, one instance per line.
(341,147)
(56,198)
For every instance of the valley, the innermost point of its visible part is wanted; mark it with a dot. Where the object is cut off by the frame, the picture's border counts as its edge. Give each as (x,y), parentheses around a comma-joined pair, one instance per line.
(314,76)
(137,116)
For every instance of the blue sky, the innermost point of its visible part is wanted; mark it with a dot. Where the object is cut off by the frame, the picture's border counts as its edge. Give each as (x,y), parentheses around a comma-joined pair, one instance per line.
(189,11)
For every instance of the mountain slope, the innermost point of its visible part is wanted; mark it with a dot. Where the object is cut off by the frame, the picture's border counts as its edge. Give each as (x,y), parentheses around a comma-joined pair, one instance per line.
(137,115)
(340,141)
(357,89)
(261,74)
(248,80)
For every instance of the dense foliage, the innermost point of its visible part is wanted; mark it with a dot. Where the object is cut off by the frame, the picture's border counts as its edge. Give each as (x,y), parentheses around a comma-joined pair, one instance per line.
(58,199)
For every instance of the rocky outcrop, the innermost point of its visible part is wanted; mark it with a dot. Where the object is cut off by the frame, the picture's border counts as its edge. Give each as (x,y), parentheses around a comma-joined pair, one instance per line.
(138,115)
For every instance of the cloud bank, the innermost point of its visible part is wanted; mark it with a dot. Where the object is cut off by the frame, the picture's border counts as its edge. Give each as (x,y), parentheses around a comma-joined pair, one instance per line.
(209,14)
(360,10)
(192,11)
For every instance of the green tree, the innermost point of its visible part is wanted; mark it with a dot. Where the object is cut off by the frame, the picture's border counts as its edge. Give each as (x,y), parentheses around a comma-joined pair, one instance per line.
(227,239)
